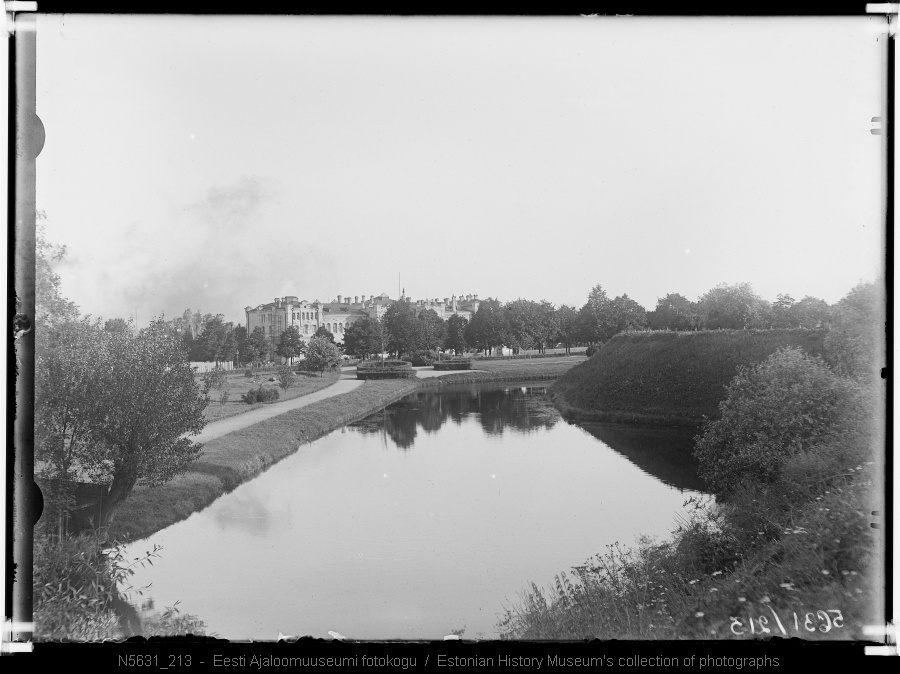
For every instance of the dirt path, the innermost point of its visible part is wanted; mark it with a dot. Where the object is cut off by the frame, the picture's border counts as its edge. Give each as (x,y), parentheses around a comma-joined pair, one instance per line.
(217,429)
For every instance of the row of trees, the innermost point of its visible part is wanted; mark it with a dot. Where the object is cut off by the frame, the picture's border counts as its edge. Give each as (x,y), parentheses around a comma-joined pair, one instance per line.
(527,324)
(520,324)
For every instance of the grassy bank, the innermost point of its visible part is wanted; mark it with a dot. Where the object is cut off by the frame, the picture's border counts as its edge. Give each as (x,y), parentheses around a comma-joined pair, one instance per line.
(819,562)
(237,384)
(667,378)
(228,461)
(787,548)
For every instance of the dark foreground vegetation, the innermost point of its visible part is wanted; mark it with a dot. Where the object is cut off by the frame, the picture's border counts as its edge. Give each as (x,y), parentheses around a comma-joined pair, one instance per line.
(793,456)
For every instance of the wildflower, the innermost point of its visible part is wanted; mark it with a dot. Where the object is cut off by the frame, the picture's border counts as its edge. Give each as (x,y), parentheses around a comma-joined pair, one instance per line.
(844,572)
(853,573)
(716,573)
(787,586)
(692,582)
(765,600)
(825,572)
(699,614)
(742,598)
(712,589)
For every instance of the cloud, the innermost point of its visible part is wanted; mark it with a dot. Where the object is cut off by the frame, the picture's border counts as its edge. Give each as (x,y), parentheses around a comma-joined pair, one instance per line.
(231,248)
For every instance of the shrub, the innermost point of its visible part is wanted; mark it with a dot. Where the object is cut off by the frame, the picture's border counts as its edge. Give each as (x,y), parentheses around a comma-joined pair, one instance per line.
(285,377)
(250,397)
(224,397)
(248,373)
(590,351)
(784,406)
(214,379)
(424,358)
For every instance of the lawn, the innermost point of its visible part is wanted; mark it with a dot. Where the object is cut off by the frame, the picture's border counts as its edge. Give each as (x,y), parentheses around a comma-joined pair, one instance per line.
(237,384)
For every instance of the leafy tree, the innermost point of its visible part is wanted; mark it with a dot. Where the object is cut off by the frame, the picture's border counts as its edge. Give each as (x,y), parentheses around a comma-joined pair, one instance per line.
(626,314)
(286,377)
(731,306)
(856,340)
(216,341)
(66,386)
(455,339)
(810,312)
(130,401)
(488,328)
(596,320)
(324,333)
(402,328)
(240,344)
(567,326)
(364,337)
(258,345)
(432,330)
(117,325)
(322,355)
(290,343)
(674,312)
(786,405)
(50,305)
(782,313)
(530,324)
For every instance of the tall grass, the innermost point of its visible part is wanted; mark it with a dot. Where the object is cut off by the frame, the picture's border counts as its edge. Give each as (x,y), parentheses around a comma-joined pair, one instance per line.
(788,550)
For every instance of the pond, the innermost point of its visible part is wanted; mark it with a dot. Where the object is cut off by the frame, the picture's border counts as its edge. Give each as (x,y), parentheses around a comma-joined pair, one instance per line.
(429,516)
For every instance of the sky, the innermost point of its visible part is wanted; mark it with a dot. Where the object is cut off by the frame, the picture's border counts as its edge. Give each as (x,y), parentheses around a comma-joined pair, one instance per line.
(215,163)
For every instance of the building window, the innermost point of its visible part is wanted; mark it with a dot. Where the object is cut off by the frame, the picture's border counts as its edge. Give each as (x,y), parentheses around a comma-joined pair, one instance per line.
(305,329)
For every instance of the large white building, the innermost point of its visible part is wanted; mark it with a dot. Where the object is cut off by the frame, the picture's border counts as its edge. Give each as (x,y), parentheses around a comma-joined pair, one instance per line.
(336,316)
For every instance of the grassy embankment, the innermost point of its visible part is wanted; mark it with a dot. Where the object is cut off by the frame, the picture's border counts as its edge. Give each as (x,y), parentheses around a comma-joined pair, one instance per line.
(667,378)
(237,384)
(796,554)
(228,461)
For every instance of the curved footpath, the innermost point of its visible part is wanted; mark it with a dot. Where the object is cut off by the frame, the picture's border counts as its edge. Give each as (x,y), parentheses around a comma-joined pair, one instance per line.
(347,382)
(216,429)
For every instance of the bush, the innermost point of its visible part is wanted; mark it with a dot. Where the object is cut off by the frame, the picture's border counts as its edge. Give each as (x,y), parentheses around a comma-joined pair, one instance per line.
(285,377)
(782,407)
(260,395)
(590,351)
(248,373)
(424,358)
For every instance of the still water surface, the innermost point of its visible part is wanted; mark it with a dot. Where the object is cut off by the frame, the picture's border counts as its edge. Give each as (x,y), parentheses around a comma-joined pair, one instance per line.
(427,517)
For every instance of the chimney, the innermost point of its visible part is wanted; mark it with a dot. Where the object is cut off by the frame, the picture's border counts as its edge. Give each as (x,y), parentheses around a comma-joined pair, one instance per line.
(277,302)
(371,297)
(339,299)
(447,299)
(475,297)
(356,299)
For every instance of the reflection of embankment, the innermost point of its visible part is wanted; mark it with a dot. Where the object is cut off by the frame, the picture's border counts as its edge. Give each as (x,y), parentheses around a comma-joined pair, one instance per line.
(497,408)
(663,453)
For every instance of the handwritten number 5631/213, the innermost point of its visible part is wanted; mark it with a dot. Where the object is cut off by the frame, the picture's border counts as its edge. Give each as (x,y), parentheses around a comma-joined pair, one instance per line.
(761,625)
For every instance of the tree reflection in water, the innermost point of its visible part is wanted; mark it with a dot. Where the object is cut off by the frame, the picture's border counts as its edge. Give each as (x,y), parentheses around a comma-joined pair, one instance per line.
(664,453)
(522,409)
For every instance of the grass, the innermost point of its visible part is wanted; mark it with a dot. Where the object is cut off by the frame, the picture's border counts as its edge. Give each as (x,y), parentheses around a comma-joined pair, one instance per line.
(236,384)
(794,554)
(667,378)
(710,580)
(228,461)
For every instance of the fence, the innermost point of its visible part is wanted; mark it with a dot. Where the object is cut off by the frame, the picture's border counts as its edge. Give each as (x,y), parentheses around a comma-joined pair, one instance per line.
(203,366)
